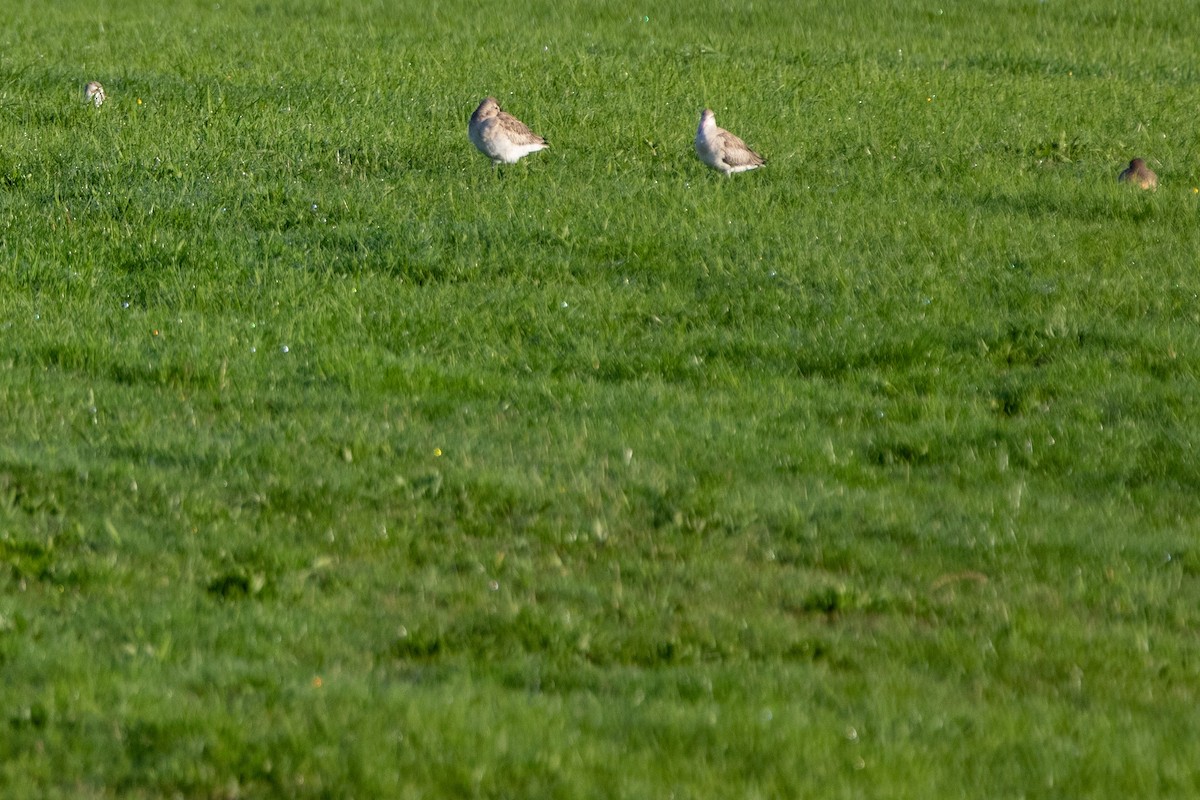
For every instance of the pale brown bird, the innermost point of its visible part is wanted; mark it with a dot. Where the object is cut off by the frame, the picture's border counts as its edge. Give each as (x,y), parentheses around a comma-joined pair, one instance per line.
(93,93)
(721,150)
(1139,174)
(500,136)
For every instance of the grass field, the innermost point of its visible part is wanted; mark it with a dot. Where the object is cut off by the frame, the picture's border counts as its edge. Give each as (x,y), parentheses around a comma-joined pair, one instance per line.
(336,463)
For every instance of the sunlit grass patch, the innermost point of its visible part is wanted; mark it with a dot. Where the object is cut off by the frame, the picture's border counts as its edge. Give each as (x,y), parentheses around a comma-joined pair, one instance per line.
(337,462)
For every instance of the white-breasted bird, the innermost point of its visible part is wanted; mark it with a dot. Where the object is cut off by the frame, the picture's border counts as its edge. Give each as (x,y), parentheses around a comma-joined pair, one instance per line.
(93,93)
(500,136)
(721,150)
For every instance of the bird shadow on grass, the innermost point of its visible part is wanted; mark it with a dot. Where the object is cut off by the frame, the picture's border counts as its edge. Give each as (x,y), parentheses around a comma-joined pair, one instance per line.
(1102,204)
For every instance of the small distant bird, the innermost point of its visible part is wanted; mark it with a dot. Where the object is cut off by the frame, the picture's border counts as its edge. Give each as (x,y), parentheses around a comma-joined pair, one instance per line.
(94,93)
(500,136)
(721,150)
(1138,173)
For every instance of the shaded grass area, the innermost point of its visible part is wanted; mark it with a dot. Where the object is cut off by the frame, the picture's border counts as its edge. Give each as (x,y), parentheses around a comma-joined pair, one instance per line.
(337,463)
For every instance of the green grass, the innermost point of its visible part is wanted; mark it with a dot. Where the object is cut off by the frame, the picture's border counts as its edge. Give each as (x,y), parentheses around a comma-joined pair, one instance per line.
(336,463)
